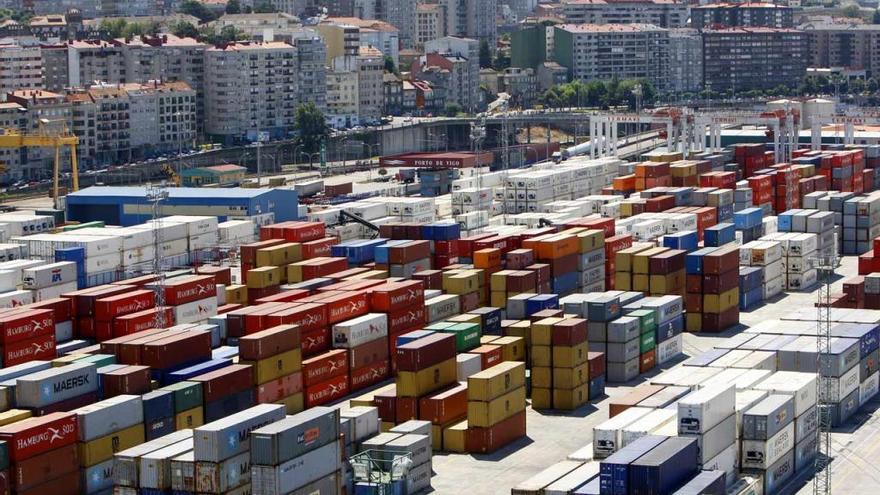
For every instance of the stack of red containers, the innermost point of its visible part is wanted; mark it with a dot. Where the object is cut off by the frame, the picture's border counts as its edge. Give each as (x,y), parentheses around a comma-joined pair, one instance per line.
(27,335)
(107,309)
(404,303)
(43,454)
(326,377)
(750,157)
(84,306)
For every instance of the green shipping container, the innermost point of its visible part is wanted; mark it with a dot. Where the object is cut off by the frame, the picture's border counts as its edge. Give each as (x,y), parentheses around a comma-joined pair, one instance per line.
(647,342)
(187,395)
(647,320)
(467,335)
(99,360)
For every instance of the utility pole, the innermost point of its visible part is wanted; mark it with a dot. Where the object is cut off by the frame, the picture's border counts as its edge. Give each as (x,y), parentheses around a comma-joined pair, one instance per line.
(155,195)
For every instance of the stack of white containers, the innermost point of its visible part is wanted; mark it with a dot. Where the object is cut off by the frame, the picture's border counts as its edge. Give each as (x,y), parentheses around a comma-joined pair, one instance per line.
(768,439)
(801,387)
(471,207)
(20,223)
(9,252)
(221,449)
(11,276)
(798,258)
(415,440)
(530,191)
(51,280)
(709,415)
(768,256)
(237,232)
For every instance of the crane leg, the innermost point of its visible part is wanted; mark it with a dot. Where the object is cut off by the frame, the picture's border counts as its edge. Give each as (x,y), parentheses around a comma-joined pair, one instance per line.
(74,169)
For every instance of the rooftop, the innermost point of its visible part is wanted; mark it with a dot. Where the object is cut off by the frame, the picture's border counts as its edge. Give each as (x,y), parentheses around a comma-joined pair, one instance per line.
(741,6)
(173,192)
(363,23)
(608,28)
(608,2)
(751,30)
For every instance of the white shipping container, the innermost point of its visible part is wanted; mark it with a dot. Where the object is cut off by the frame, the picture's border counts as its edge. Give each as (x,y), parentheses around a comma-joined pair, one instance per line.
(702,410)
(608,437)
(774,270)
(12,252)
(713,442)
(173,247)
(16,298)
(360,330)
(801,386)
(155,467)
(839,388)
(745,399)
(467,365)
(138,256)
(195,225)
(236,231)
(54,291)
(108,416)
(126,463)
(203,241)
(297,472)
(868,388)
(758,360)
(726,461)
(9,280)
(44,276)
(134,237)
(761,454)
(103,263)
(657,422)
(230,436)
(196,311)
(773,287)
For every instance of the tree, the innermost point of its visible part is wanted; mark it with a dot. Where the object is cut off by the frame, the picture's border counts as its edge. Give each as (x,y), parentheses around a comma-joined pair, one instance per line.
(183,29)
(485,54)
(852,11)
(389,65)
(264,7)
(113,28)
(502,61)
(876,18)
(233,7)
(452,109)
(311,126)
(197,9)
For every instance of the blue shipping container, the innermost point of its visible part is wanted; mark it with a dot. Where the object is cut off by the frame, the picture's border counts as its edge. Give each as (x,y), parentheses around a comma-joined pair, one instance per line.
(725,213)
(750,277)
(157,404)
(380,252)
(564,284)
(664,468)
(182,374)
(159,428)
(783,221)
(411,336)
(670,328)
(868,335)
(614,471)
(719,235)
(604,308)
(748,218)
(597,387)
(693,262)
(751,298)
(228,406)
(541,302)
(441,231)
(686,240)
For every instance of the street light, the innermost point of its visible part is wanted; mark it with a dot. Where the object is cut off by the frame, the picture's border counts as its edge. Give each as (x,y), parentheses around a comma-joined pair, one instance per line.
(311,157)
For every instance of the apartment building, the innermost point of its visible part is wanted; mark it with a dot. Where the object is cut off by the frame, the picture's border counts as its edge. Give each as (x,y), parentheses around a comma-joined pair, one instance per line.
(609,51)
(12,116)
(21,67)
(844,44)
(370,66)
(399,13)
(742,15)
(472,19)
(662,13)
(38,107)
(521,85)
(92,61)
(459,56)
(685,60)
(375,33)
(741,59)
(430,24)
(342,99)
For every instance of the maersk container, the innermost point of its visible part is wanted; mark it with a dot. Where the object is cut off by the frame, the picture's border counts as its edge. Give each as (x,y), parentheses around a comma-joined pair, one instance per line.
(760,454)
(844,354)
(800,386)
(55,385)
(702,410)
(664,468)
(614,471)
(108,416)
(126,464)
(229,436)
(573,480)
(714,441)
(868,335)
(607,436)
(155,467)
(293,436)
(705,358)
(766,418)
(705,483)
(297,472)
(777,475)
(657,422)
(838,388)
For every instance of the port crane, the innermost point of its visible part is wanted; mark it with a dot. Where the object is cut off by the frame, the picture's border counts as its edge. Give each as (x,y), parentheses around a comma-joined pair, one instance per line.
(47,138)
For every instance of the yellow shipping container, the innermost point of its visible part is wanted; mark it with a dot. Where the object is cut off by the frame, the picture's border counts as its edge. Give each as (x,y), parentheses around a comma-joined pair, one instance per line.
(541,355)
(192,418)
(672,283)
(622,281)
(273,367)
(461,283)
(495,381)
(716,303)
(369,275)
(267,276)
(566,378)
(693,322)
(236,294)
(485,414)
(522,328)
(640,260)
(542,398)
(498,299)
(623,259)
(512,348)
(293,403)
(570,357)
(573,398)
(419,383)
(542,331)
(436,438)
(385,426)
(65,360)
(13,416)
(280,255)
(641,282)
(542,376)
(498,280)
(488,339)
(591,240)
(466,318)
(454,437)
(102,449)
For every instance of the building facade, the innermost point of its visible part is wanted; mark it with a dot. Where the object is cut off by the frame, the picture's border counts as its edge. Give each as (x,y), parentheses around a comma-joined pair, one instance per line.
(370,67)
(21,67)
(846,45)
(462,59)
(742,15)
(741,59)
(430,24)
(685,61)
(472,19)
(662,13)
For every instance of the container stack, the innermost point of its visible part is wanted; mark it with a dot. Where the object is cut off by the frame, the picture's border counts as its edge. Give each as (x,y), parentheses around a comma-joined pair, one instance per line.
(801,388)
(51,280)
(749,224)
(226,391)
(861,223)
(139,467)
(325,377)
(103,429)
(187,405)
(614,244)
(281,462)
(713,289)
(709,415)
(768,438)
(71,386)
(764,259)
(444,409)
(415,440)
(564,383)
(43,454)
(798,258)
(193,298)
(425,366)
(496,407)
(27,335)
(276,357)
(623,266)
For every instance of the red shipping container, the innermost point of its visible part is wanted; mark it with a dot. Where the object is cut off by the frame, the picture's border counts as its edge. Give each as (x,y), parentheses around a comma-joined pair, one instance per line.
(441,408)
(307,316)
(446,248)
(47,466)
(37,348)
(222,274)
(235,321)
(488,440)
(283,296)
(325,366)
(343,306)
(368,353)
(67,405)
(369,375)
(386,402)
(425,352)
(304,231)
(569,332)
(227,308)
(408,252)
(176,350)
(490,355)
(84,300)
(26,325)
(222,383)
(5,482)
(315,341)
(318,248)
(466,244)
(258,320)
(716,284)
(33,436)
(275,390)
(62,308)
(182,290)
(394,296)
(469,301)
(137,281)
(327,391)
(617,243)
(647,361)
(407,409)
(406,319)
(67,484)
(112,346)
(102,330)
(110,307)
(142,320)
(596,364)
(134,380)
(270,342)
(721,260)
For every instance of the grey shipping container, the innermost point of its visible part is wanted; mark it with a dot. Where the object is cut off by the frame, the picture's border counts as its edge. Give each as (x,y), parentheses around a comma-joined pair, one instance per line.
(841,412)
(126,464)
(418,479)
(571,481)
(55,385)
(418,446)
(714,441)
(806,424)
(378,441)
(844,354)
(219,477)
(705,358)
(622,372)
(413,426)
(294,435)
(614,471)
(108,416)
(760,454)
(805,452)
(22,369)
(363,422)
(536,484)
(664,468)
(328,485)
(705,483)
(230,436)
(183,473)
(623,329)
(155,469)
(297,472)
(768,417)
(622,352)
(779,473)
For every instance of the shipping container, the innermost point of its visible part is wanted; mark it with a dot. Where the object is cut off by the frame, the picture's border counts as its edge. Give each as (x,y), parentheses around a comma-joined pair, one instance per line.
(297,472)
(293,436)
(230,436)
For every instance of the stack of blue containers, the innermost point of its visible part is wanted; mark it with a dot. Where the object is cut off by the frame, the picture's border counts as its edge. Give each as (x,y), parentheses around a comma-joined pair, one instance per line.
(360,251)
(719,235)
(749,222)
(751,290)
(686,240)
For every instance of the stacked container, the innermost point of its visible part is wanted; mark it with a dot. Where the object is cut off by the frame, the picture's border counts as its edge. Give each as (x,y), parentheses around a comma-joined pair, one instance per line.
(496,407)
(709,415)
(861,223)
(51,280)
(765,256)
(801,387)
(768,439)
(43,454)
(276,358)
(713,289)
(57,389)
(366,340)
(325,377)
(562,381)
(226,391)
(425,366)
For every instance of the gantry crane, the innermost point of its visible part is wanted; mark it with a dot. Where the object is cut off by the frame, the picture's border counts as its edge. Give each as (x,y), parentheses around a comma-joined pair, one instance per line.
(47,138)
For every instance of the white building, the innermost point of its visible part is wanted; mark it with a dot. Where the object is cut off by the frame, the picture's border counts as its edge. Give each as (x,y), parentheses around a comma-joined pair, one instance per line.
(20,68)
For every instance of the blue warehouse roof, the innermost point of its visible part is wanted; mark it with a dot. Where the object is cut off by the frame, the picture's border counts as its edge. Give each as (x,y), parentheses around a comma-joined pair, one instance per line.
(173,192)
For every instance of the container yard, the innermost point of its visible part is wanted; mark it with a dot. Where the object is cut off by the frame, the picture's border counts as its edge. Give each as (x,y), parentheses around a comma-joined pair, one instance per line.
(594,326)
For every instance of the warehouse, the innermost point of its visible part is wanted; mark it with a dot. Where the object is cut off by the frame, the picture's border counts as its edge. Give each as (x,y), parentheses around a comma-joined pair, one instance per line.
(438,160)
(222,175)
(127,206)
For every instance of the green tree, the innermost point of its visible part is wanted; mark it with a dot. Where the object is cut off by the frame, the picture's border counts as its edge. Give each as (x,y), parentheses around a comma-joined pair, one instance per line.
(197,9)
(183,29)
(233,7)
(876,17)
(851,11)
(264,7)
(485,54)
(452,109)
(389,65)
(113,28)
(311,126)
(502,60)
